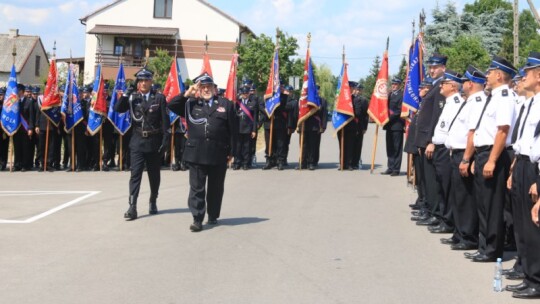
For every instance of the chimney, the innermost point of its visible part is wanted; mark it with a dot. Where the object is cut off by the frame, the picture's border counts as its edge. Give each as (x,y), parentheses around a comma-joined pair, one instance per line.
(13,33)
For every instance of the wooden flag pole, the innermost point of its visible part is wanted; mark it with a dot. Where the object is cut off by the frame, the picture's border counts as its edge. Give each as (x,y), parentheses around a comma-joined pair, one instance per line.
(408,168)
(73,149)
(302,134)
(342,150)
(46,152)
(120,154)
(374,149)
(101,149)
(11,147)
(172,144)
(271,133)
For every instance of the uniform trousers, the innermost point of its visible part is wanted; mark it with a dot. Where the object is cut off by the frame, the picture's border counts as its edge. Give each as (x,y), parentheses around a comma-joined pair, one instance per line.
(279,145)
(52,142)
(443,173)
(4,145)
(310,149)
(242,153)
(179,145)
(357,153)
(523,176)
(200,198)
(152,160)
(464,203)
(108,143)
(24,149)
(490,196)
(428,179)
(126,155)
(348,148)
(394,149)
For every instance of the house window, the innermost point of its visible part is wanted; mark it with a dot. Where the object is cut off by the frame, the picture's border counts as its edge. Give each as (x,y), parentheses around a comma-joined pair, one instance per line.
(38,66)
(163,8)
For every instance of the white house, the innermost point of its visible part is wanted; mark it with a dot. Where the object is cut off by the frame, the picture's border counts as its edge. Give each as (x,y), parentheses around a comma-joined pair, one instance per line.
(126,28)
(31,61)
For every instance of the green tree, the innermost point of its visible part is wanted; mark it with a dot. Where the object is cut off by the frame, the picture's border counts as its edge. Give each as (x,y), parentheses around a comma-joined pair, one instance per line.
(369,81)
(327,82)
(480,7)
(466,50)
(256,56)
(402,72)
(160,65)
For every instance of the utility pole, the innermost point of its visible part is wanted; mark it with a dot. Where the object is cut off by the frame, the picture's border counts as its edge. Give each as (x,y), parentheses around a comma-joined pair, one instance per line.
(516,32)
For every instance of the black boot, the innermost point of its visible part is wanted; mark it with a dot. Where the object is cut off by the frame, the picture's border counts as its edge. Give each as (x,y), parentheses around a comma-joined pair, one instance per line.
(269,164)
(131,213)
(153,204)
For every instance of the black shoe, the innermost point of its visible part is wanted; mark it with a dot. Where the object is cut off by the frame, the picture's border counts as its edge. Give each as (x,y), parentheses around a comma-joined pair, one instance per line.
(22,170)
(415,206)
(515,276)
(517,287)
(268,166)
(432,221)
(529,293)
(235,167)
(196,226)
(131,213)
(441,228)
(508,271)
(50,169)
(482,258)
(212,221)
(420,218)
(449,241)
(40,169)
(175,167)
(387,172)
(153,207)
(311,167)
(183,166)
(280,166)
(395,173)
(419,213)
(95,169)
(245,167)
(105,168)
(472,255)
(463,246)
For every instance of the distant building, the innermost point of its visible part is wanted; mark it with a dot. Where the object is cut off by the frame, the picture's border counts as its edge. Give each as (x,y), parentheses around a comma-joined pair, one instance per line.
(31,61)
(126,28)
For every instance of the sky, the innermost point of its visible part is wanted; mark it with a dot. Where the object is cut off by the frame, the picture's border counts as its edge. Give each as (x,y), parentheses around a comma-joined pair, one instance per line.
(359,26)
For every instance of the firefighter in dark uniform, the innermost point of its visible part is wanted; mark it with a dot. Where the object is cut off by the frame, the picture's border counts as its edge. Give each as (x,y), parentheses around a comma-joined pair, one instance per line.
(253,94)
(361,105)
(82,146)
(52,141)
(212,128)
(149,123)
(427,117)
(109,147)
(179,144)
(35,136)
(27,129)
(246,109)
(394,129)
(313,126)
(279,133)
(351,131)
(4,139)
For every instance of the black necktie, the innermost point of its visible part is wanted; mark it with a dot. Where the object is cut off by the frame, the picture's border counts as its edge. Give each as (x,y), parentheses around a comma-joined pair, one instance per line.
(483,110)
(527,115)
(516,126)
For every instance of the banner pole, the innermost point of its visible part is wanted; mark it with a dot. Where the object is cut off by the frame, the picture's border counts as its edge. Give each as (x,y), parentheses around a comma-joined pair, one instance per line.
(374,149)
(302,134)
(11,147)
(271,133)
(172,144)
(46,152)
(342,147)
(100,148)
(120,154)
(73,149)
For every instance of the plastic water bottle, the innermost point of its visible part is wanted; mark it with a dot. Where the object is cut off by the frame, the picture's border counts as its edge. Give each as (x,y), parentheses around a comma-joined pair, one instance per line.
(497,278)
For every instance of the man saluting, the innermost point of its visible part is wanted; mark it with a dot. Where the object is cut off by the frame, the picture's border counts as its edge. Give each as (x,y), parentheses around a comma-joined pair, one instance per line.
(212,128)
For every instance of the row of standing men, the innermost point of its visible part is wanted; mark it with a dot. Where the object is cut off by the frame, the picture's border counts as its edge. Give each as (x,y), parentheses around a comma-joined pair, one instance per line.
(476,163)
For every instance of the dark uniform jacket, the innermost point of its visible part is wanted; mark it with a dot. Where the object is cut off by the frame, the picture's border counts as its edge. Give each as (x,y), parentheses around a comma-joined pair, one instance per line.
(245,124)
(212,130)
(315,122)
(361,105)
(280,113)
(27,111)
(395,122)
(149,122)
(428,115)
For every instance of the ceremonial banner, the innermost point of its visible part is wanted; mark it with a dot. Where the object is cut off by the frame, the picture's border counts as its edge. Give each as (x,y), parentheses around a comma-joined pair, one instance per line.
(71,105)
(273,91)
(310,101)
(98,106)
(378,106)
(343,109)
(120,121)
(411,93)
(173,87)
(50,102)
(230,91)
(11,117)
(206,68)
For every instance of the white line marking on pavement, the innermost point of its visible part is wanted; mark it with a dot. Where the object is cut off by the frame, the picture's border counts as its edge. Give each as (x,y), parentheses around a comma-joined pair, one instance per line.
(48,212)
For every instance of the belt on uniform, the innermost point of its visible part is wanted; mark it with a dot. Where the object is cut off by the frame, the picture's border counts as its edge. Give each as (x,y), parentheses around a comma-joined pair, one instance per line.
(452,151)
(146,133)
(437,147)
(523,157)
(483,148)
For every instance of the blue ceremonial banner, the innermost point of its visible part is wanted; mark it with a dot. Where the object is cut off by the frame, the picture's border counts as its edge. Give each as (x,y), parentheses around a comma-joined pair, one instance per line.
(310,101)
(411,93)
(98,107)
(11,118)
(71,105)
(120,121)
(273,90)
(343,110)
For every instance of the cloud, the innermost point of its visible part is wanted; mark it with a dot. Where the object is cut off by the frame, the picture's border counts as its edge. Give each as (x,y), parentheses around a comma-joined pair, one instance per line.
(35,16)
(67,7)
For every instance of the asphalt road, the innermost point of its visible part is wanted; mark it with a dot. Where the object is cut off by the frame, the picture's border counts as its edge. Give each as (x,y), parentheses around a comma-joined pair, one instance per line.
(321,236)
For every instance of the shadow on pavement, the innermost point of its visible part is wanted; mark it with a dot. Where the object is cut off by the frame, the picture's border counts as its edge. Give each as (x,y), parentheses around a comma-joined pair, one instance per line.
(166,211)
(239,221)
